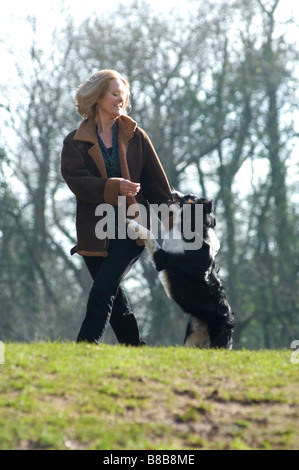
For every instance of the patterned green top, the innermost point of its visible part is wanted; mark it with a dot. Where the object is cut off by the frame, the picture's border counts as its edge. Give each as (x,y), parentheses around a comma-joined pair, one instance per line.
(110,155)
(111,159)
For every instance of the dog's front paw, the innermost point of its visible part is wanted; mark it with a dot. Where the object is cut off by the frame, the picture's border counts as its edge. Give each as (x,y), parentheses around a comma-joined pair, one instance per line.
(133,225)
(141,231)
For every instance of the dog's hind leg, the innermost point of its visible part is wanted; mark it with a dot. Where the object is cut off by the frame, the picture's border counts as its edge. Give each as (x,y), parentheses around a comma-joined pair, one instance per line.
(197,334)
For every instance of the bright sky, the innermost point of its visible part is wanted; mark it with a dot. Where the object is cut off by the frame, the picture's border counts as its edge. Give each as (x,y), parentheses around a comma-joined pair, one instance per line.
(48,12)
(13,27)
(51,14)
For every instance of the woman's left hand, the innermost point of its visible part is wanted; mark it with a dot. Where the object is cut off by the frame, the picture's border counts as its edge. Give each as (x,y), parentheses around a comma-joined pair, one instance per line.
(128,188)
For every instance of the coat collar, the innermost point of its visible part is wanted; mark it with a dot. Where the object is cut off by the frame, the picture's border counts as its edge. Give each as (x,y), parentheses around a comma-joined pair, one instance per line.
(86,132)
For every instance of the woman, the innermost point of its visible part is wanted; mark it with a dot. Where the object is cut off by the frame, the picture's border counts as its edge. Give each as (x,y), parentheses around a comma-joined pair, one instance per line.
(106,157)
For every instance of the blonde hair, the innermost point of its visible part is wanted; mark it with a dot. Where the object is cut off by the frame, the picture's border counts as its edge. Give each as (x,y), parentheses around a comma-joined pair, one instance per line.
(93,89)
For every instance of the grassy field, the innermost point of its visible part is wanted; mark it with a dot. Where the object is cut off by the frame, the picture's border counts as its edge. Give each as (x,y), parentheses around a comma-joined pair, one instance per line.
(69,396)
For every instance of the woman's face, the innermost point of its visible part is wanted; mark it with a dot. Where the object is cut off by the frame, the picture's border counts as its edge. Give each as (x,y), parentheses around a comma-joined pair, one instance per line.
(112,103)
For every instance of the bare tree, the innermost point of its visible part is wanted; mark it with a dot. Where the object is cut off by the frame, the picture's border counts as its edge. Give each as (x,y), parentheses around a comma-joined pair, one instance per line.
(210,89)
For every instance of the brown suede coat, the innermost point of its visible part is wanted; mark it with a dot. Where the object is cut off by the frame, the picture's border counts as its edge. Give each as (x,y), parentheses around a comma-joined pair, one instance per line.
(83,168)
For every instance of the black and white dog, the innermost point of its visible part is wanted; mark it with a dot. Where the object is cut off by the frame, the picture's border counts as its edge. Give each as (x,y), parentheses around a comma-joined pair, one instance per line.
(189,276)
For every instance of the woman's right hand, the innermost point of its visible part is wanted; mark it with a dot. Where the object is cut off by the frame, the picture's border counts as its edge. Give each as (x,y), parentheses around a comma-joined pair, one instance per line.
(128,188)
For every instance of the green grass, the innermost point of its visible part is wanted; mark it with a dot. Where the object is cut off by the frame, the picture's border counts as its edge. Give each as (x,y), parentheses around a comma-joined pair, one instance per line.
(70,396)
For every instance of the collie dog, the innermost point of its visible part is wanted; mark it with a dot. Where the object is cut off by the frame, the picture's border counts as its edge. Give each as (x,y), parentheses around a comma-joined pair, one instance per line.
(188,273)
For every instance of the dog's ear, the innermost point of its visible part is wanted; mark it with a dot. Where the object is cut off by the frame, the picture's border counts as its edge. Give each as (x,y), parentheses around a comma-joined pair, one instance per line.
(177,196)
(190,199)
(208,207)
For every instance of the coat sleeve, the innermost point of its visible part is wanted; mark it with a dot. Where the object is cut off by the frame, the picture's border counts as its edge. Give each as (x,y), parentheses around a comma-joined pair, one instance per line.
(85,185)
(154,181)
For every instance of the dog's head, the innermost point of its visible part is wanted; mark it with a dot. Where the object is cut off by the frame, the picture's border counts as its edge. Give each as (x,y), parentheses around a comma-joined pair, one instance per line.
(209,219)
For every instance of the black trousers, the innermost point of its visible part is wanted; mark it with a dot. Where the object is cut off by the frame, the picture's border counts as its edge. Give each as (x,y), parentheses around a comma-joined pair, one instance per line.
(107,299)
